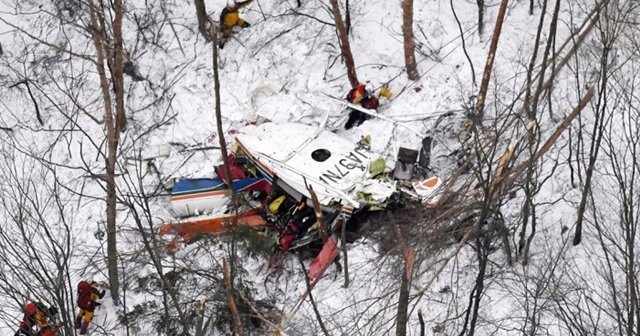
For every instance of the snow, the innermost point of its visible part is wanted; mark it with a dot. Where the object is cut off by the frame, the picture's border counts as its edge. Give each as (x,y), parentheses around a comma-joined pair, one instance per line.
(282,68)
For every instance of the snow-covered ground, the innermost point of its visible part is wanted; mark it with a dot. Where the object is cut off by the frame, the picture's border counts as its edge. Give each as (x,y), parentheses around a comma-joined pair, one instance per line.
(285,67)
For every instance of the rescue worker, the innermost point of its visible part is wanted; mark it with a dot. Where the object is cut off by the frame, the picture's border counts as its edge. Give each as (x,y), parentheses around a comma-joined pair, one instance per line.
(229,18)
(37,315)
(303,218)
(360,96)
(238,172)
(88,295)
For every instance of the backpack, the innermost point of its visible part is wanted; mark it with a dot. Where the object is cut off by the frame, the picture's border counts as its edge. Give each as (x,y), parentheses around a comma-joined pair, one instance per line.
(84,293)
(370,103)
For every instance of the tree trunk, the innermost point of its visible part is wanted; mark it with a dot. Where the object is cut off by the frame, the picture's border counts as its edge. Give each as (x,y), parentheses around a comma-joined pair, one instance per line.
(532,62)
(118,61)
(113,134)
(472,311)
(409,43)
(480,4)
(203,19)
(223,147)
(231,299)
(347,17)
(218,111)
(230,271)
(486,76)
(313,302)
(344,44)
(601,120)
(545,58)
(112,251)
(531,7)
(403,300)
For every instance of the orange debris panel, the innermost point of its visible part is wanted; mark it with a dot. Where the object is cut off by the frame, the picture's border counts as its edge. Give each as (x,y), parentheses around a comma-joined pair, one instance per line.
(195,226)
(320,263)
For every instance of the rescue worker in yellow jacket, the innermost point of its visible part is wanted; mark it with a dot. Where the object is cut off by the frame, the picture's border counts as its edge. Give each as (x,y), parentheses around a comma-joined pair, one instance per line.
(229,18)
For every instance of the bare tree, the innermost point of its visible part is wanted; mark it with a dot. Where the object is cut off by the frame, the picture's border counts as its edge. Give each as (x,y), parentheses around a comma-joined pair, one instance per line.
(488,68)
(36,242)
(409,42)
(203,19)
(229,271)
(114,122)
(480,4)
(347,16)
(403,300)
(531,7)
(609,220)
(464,43)
(609,31)
(532,183)
(341,30)
(138,201)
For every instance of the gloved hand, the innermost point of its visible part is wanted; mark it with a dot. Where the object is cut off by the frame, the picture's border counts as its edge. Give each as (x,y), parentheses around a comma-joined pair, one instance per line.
(93,305)
(53,310)
(246,24)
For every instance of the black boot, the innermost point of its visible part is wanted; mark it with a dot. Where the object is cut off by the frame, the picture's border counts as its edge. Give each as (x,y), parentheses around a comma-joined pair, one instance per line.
(355,119)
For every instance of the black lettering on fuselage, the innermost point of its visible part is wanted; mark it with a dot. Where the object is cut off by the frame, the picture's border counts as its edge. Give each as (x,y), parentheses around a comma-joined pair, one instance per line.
(353,157)
(349,162)
(342,174)
(345,163)
(330,175)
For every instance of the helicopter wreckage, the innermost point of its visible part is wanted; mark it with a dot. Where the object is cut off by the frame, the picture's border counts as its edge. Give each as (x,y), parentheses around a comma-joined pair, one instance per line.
(299,182)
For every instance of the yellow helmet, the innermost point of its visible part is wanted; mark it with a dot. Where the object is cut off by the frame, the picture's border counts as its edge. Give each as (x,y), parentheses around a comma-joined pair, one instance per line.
(274,206)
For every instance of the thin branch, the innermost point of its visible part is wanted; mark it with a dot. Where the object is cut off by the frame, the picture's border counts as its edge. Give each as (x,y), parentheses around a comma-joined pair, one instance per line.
(33,99)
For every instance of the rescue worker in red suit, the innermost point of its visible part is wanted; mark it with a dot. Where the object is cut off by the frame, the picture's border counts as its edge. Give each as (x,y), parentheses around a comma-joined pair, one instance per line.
(360,96)
(237,171)
(88,295)
(302,219)
(37,315)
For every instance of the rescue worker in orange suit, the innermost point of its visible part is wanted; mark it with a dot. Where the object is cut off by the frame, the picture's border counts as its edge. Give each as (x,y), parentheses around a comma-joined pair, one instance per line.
(37,315)
(360,96)
(88,295)
(229,18)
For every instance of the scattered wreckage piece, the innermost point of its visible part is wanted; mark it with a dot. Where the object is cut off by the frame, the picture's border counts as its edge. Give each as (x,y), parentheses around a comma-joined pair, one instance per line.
(429,190)
(192,197)
(193,227)
(321,262)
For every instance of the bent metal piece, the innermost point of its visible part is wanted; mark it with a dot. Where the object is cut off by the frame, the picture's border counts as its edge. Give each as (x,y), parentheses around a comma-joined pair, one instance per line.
(321,262)
(196,226)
